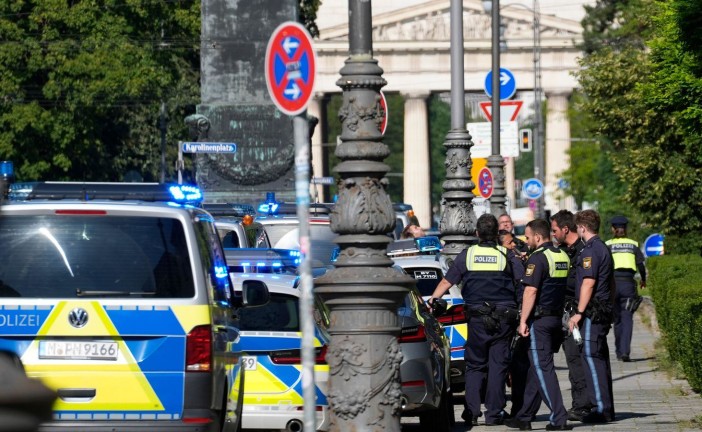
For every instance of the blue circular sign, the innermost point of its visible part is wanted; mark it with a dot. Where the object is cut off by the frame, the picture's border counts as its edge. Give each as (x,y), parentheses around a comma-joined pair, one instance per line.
(532,188)
(653,246)
(290,67)
(508,85)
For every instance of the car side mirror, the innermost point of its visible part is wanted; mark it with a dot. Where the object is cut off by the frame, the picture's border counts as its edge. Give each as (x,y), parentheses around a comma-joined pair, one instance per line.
(254,293)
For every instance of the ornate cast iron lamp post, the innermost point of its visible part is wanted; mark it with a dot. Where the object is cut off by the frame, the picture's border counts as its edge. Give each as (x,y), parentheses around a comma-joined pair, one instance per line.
(457,220)
(363,292)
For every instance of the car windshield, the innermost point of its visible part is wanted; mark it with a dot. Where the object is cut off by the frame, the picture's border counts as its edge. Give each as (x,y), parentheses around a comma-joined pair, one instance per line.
(279,314)
(287,236)
(68,256)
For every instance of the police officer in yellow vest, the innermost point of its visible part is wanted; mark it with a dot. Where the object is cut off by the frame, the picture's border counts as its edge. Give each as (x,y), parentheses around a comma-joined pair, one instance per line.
(545,283)
(488,290)
(628,259)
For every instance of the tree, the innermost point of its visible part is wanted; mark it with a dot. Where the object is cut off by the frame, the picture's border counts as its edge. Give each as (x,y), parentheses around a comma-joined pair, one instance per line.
(645,103)
(81,84)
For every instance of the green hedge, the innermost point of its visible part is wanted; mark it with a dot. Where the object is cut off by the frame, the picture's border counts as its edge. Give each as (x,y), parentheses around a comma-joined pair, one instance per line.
(676,286)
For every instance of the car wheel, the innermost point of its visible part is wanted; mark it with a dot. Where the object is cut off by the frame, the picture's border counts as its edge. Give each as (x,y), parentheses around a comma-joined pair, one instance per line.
(438,419)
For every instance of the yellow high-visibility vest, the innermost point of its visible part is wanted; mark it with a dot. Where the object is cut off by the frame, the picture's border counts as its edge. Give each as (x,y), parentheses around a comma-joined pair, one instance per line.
(623,253)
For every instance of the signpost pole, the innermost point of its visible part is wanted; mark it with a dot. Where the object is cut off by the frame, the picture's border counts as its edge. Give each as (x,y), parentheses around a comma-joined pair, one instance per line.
(496,162)
(302,198)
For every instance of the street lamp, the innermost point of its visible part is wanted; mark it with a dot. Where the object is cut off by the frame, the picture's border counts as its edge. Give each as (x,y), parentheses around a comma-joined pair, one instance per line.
(538,134)
(363,292)
(457,219)
(496,162)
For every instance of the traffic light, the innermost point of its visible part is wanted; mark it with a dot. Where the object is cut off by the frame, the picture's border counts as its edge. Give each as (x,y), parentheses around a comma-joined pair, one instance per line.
(525,140)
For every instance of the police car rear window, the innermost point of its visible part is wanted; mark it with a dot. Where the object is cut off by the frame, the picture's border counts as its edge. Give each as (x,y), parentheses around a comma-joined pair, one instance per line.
(427,279)
(46,256)
(279,314)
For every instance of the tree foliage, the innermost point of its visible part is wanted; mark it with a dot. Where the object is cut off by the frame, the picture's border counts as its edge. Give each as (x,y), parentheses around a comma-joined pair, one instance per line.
(645,105)
(81,83)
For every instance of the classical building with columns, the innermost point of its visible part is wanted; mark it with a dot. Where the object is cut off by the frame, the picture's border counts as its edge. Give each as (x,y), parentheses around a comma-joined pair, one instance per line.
(411,44)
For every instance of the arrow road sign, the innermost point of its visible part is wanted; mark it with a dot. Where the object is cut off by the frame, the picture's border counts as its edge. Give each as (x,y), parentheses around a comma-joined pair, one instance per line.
(653,245)
(508,85)
(533,188)
(485,183)
(290,67)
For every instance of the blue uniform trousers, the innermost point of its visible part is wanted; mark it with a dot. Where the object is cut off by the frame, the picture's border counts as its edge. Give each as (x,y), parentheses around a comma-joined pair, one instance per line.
(542,383)
(487,355)
(519,370)
(623,319)
(576,374)
(598,371)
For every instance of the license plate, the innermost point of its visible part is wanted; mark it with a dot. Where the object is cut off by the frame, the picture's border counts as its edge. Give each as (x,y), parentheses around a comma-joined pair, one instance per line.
(75,350)
(250,363)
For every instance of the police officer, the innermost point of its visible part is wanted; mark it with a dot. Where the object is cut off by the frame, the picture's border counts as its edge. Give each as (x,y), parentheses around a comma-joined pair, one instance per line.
(565,234)
(544,283)
(594,293)
(488,290)
(628,259)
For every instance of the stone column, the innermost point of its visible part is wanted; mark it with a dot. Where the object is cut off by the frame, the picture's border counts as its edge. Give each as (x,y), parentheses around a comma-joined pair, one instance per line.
(557,144)
(509,182)
(416,180)
(315,107)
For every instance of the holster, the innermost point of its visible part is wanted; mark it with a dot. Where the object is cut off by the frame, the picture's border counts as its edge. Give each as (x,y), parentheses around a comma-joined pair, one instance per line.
(633,303)
(599,312)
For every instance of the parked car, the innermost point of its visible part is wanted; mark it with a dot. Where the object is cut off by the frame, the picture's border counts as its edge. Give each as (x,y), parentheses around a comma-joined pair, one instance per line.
(421,259)
(424,371)
(120,302)
(271,341)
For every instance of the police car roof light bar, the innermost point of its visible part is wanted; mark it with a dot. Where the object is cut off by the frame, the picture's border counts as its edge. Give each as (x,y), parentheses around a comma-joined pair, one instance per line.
(85,191)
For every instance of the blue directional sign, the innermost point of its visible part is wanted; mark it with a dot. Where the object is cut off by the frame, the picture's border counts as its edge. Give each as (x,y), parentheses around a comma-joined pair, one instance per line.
(290,67)
(207,147)
(653,246)
(532,188)
(508,85)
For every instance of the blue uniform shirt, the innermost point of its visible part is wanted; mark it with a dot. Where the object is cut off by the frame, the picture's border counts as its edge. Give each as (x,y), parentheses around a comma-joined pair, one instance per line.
(595,262)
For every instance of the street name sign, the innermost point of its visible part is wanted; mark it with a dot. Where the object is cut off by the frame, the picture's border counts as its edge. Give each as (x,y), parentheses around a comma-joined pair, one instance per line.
(323,180)
(509,110)
(290,67)
(485,183)
(207,147)
(508,85)
(533,188)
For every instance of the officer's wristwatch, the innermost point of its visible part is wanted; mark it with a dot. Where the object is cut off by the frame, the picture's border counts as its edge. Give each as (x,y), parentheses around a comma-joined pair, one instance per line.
(577,312)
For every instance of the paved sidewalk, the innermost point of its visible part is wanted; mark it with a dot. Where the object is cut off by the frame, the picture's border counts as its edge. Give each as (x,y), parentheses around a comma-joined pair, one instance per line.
(644,398)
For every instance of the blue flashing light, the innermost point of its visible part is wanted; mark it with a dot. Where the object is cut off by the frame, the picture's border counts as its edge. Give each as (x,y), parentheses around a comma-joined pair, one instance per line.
(268,208)
(221,272)
(277,264)
(428,244)
(298,261)
(246,264)
(260,264)
(7,170)
(185,193)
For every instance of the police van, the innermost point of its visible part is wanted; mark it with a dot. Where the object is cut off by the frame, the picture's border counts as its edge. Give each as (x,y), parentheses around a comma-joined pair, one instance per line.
(117,296)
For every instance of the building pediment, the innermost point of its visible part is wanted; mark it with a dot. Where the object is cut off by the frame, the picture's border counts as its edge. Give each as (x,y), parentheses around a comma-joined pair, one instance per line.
(430,21)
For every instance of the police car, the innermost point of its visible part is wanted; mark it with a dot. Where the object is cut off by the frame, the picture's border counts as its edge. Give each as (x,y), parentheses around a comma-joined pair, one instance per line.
(236,225)
(271,338)
(421,259)
(117,297)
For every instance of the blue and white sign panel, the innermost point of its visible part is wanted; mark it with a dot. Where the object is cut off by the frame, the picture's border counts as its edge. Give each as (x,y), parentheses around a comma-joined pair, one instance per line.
(508,85)
(532,188)
(290,67)
(207,147)
(653,246)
